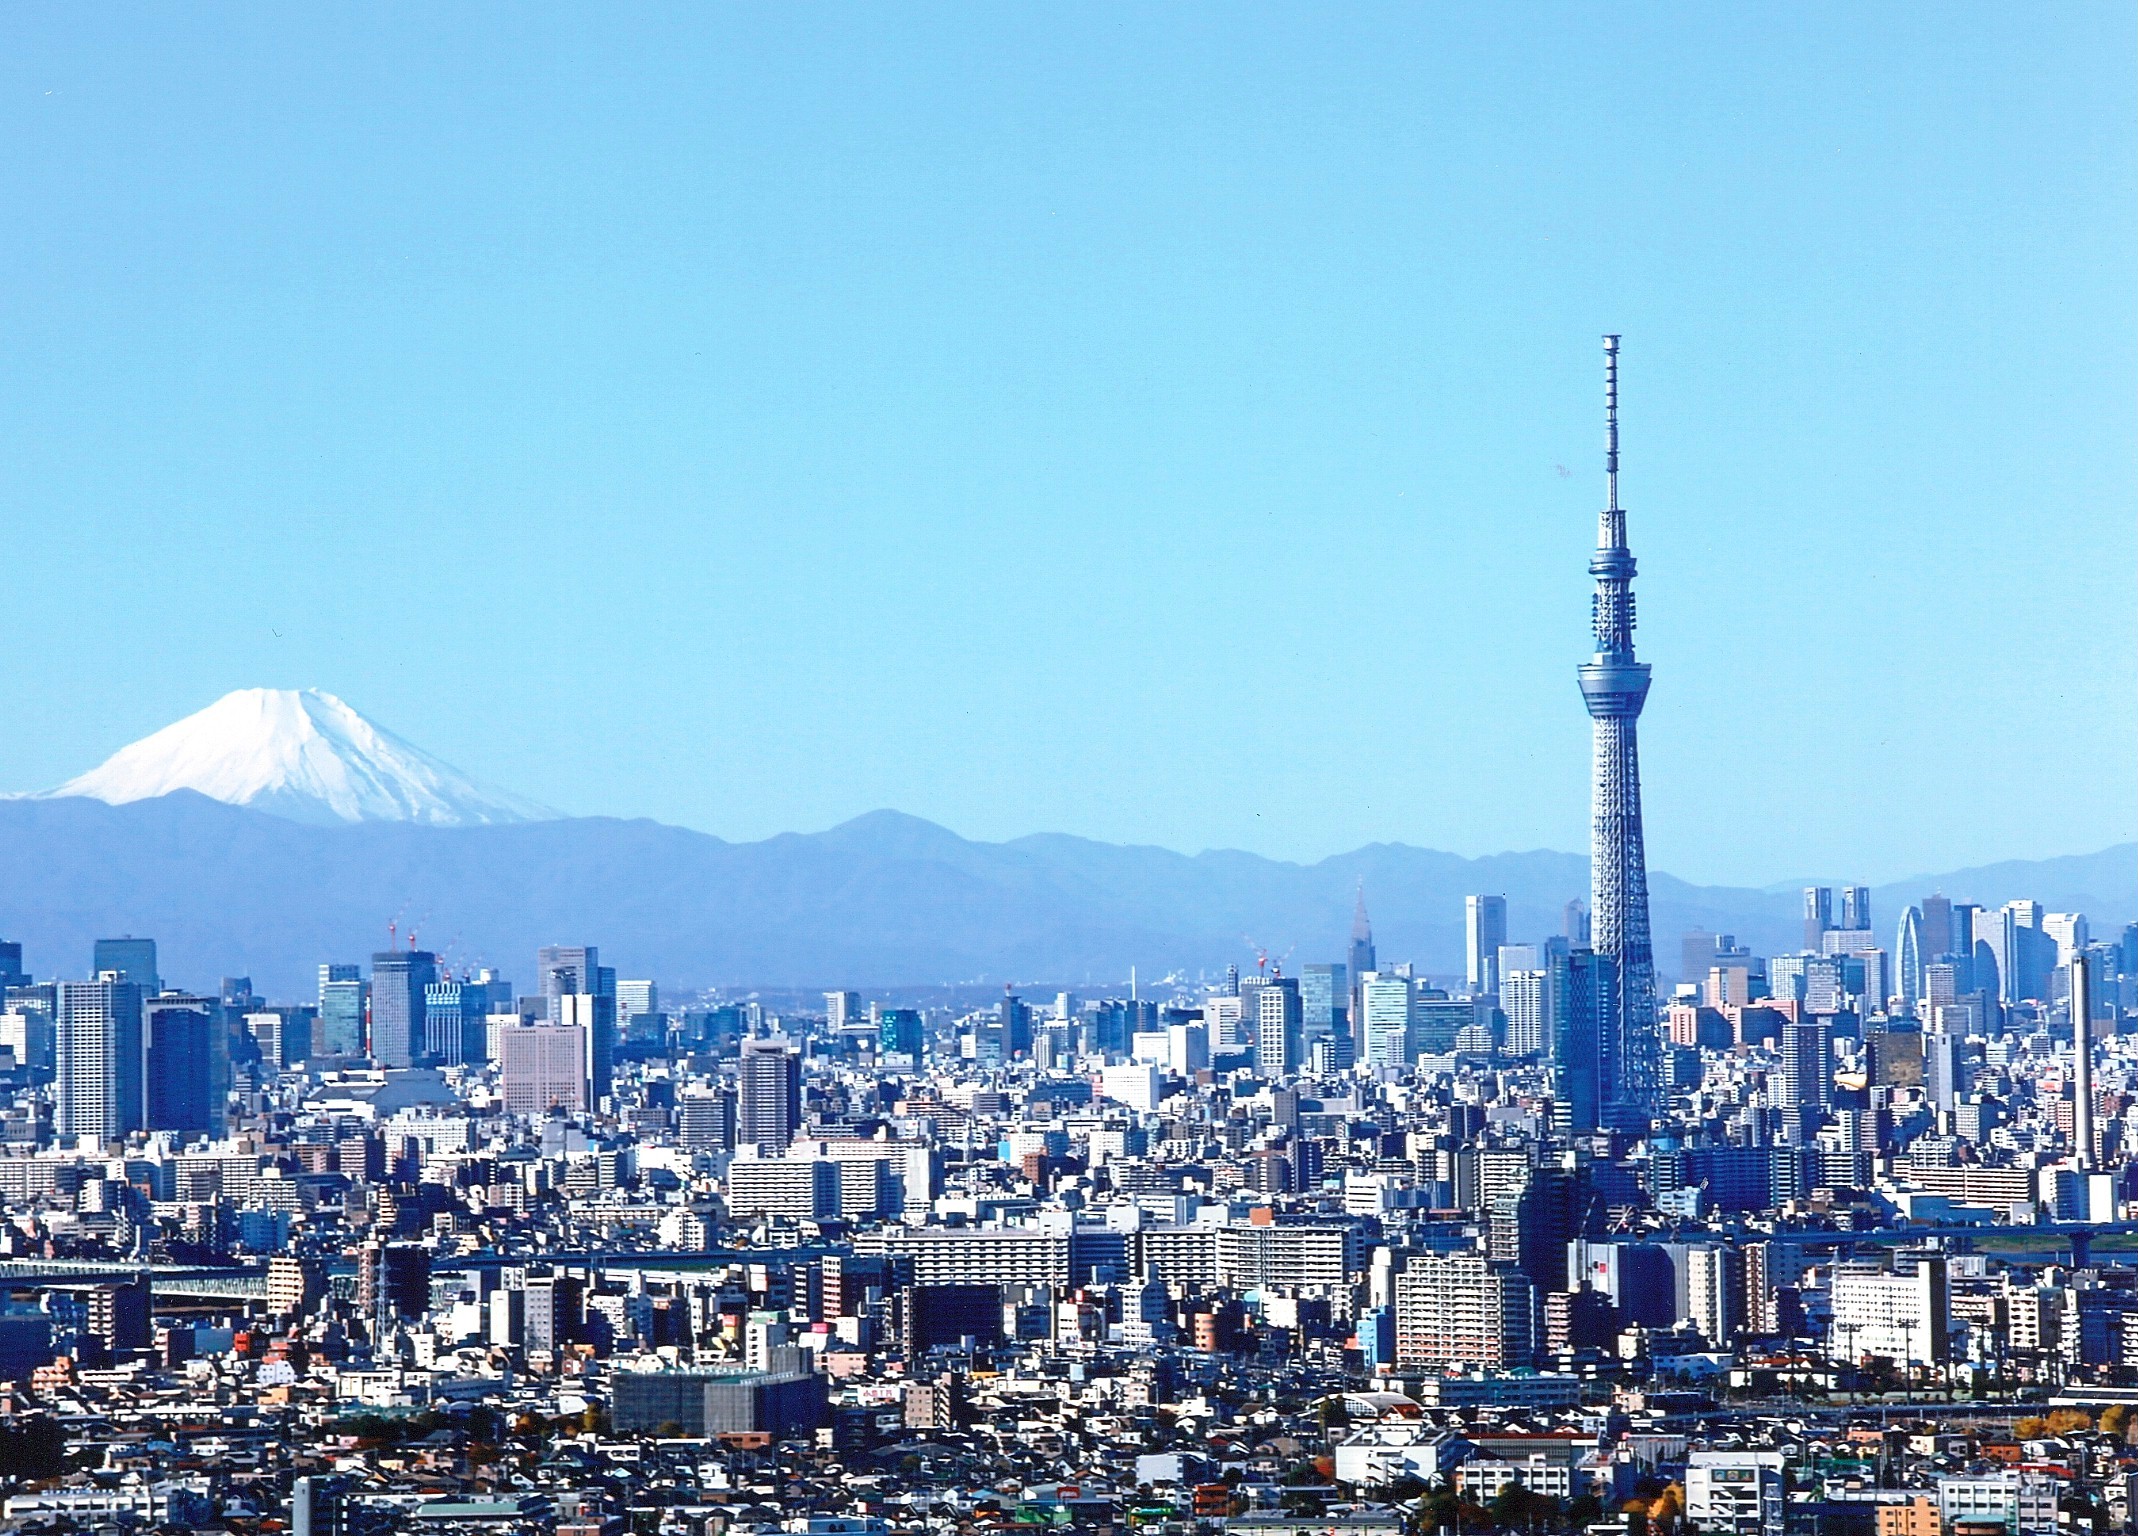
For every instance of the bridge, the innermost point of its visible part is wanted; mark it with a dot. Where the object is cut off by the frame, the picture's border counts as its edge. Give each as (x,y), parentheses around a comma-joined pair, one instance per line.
(205,1282)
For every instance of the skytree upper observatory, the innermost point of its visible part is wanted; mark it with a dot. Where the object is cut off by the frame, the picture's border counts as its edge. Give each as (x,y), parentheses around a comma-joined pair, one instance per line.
(1614,686)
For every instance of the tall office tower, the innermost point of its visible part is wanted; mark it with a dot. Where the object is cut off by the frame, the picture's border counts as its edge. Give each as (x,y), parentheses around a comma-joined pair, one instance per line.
(333,972)
(1278,1017)
(1574,925)
(187,1065)
(898,1032)
(11,972)
(1324,1005)
(565,969)
(1361,959)
(574,971)
(2026,959)
(1015,1019)
(595,1013)
(344,997)
(1526,999)
(1937,926)
(2068,929)
(1586,999)
(399,979)
(2082,1139)
(770,1111)
(1485,927)
(1909,958)
(636,1000)
(1385,1019)
(841,1009)
(1696,954)
(1947,1070)
(542,1067)
(456,1023)
(100,1058)
(1615,686)
(1818,916)
(705,1119)
(1807,1066)
(1856,907)
(128,959)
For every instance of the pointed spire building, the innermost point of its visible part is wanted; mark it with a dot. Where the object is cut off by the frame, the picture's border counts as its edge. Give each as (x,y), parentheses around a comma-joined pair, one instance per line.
(1614,686)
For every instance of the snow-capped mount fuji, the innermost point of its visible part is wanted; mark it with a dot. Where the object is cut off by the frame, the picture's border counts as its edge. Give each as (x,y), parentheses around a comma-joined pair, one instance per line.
(302,755)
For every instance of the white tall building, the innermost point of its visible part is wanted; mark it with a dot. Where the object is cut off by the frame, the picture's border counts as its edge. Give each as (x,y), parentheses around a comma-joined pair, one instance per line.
(841,1009)
(1902,1314)
(2069,931)
(1526,999)
(101,1063)
(1714,1291)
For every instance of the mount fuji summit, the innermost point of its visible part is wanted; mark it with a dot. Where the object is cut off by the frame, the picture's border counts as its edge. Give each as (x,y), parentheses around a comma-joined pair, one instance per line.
(302,755)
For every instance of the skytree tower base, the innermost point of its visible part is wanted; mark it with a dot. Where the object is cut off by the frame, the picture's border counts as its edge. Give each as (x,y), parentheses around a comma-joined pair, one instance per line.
(1614,686)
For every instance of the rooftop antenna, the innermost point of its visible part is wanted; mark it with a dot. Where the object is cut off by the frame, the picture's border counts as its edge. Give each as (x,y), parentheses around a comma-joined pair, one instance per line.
(1611,420)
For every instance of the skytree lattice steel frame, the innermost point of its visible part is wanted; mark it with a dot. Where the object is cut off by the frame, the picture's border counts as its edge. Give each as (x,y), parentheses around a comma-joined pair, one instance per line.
(1615,686)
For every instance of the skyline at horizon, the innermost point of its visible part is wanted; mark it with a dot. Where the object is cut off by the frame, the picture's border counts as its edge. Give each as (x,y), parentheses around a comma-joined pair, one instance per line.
(1023,423)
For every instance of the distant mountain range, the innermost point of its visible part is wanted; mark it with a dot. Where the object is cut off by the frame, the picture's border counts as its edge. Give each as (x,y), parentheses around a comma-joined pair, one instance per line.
(276,830)
(884,900)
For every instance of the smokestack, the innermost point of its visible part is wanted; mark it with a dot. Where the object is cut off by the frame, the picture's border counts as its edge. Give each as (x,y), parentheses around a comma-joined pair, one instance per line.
(2082,1054)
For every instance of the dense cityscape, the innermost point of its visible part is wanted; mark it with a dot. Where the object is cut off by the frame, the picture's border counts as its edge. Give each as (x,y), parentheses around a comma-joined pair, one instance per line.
(1584,1238)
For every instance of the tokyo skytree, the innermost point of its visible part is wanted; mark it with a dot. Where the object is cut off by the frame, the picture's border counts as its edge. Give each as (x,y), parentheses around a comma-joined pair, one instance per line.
(1614,685)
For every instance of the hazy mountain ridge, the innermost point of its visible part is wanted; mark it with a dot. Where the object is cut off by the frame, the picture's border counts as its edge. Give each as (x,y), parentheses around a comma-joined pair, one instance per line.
(882,900)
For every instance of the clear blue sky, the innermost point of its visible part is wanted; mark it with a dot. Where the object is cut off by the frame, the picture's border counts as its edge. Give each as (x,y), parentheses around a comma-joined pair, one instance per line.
(1167,423)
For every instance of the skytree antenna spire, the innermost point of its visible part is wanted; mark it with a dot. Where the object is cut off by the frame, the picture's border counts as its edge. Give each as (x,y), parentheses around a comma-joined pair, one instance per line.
(1614,685)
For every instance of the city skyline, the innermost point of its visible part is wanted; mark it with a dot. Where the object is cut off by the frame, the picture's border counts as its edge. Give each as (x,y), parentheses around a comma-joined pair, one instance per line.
(1107,365)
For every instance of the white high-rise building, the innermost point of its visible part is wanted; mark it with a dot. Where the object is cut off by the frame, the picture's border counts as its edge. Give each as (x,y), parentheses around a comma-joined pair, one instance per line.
(1526,999)
(2069,931)
(101,1064)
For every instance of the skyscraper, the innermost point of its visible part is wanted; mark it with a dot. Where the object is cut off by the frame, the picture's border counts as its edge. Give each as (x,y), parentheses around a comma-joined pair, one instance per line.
(130,959)
(770,1111)
(1856,907)
(574,971)
(1818,916)
(1278,1018)
(1585,999)
(1362,958)
(399,979)
(343,994)
(1485,929)
(100,1058)
(1937,927)
(1325,1005)
(1909,957)
(187,1065)
(542,1067)
(566,969)
(1614,686)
